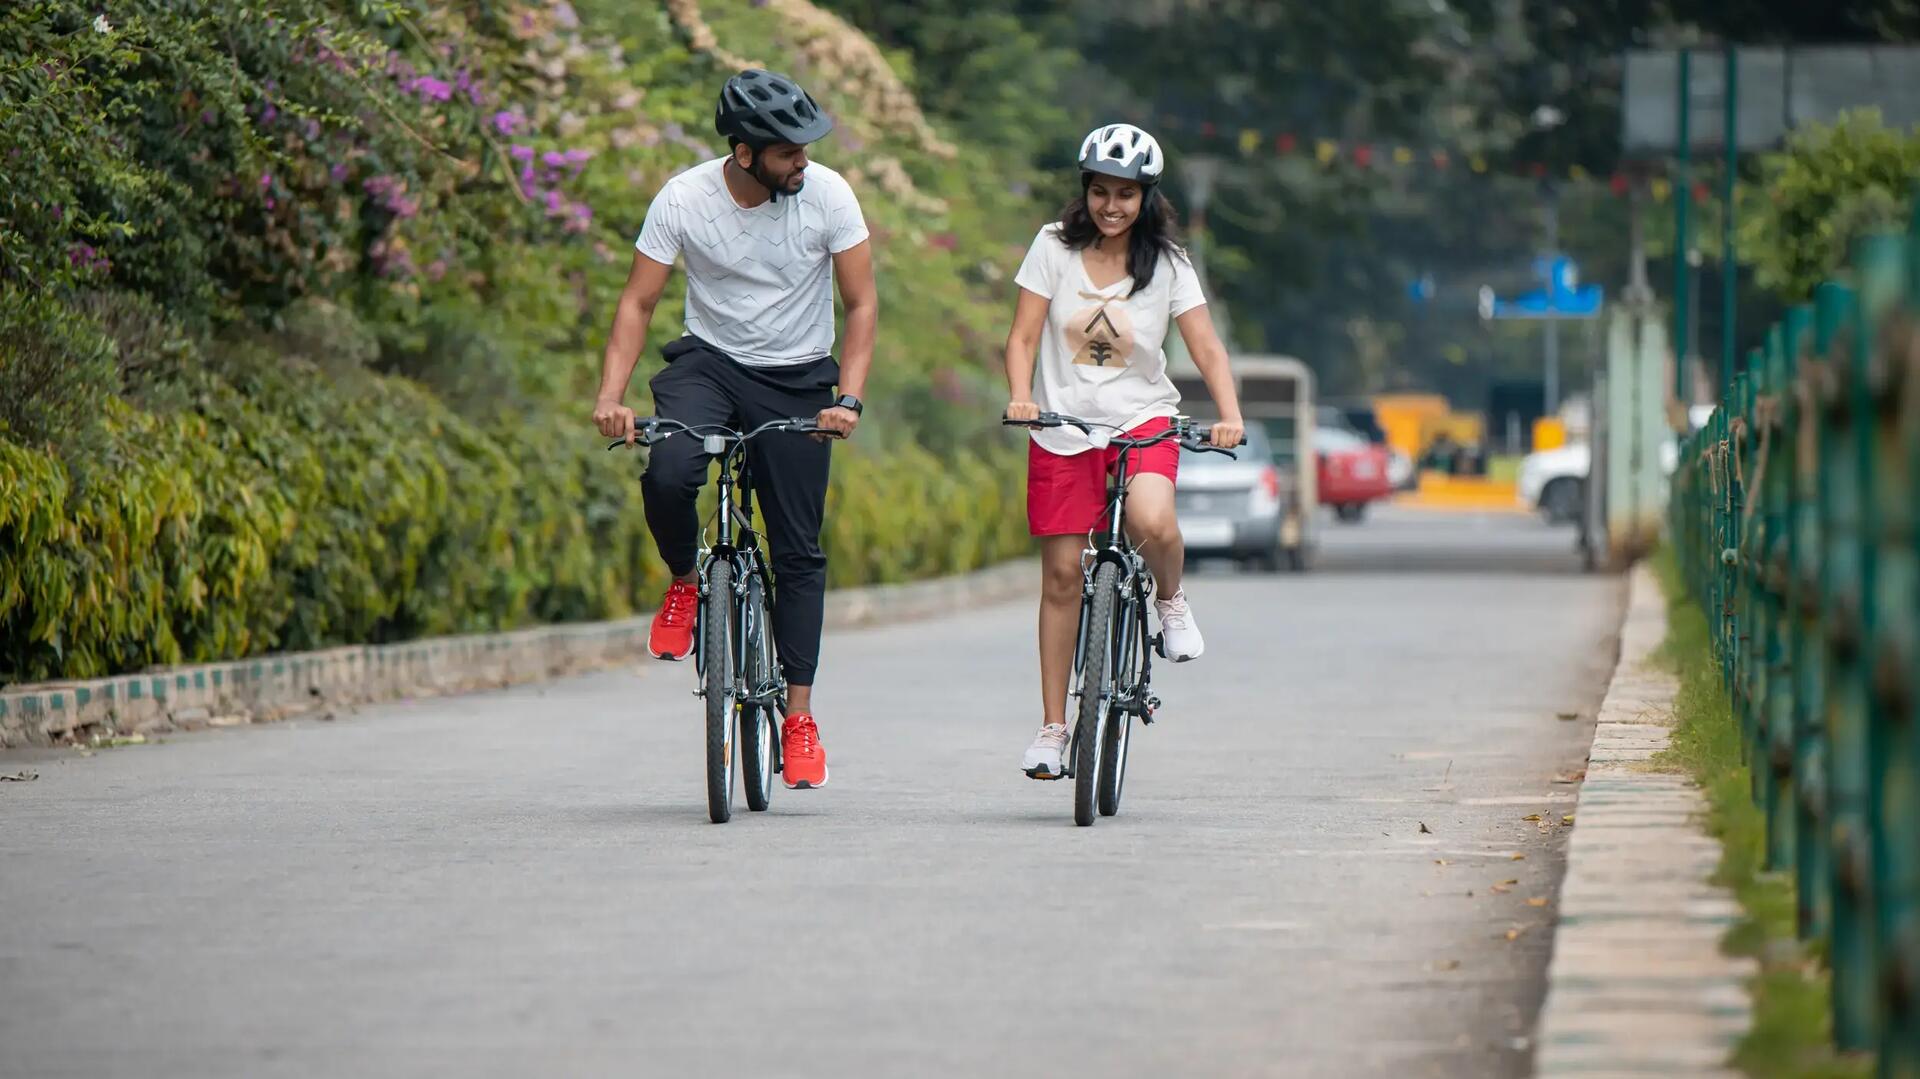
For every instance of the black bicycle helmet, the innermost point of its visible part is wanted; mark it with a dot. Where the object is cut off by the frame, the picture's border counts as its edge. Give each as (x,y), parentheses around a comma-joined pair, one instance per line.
(761,108)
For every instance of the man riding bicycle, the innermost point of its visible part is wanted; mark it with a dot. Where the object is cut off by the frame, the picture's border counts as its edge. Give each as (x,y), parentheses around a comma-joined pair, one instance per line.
(765,233)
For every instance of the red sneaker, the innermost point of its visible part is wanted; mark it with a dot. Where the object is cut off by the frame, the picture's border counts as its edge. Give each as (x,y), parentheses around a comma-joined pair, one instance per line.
(672,635)
(804,761)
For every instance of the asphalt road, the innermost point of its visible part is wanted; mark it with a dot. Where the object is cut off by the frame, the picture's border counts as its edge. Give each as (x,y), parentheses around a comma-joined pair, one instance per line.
(1308,877)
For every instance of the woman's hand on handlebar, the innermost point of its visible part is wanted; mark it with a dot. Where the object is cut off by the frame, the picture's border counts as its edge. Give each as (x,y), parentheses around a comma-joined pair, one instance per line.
(614,419)
(1022,411)
(1227,434)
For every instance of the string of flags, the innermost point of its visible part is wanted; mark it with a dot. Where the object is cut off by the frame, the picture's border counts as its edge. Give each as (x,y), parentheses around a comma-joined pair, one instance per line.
(1367,156)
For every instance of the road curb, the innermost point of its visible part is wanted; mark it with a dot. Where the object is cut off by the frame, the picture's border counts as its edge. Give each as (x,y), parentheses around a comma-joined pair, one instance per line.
(266,688)
(1638,984)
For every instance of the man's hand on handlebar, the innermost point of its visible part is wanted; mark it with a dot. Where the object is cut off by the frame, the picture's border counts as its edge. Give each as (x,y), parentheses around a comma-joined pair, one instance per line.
(614,419)
(835,423)
(1227,434)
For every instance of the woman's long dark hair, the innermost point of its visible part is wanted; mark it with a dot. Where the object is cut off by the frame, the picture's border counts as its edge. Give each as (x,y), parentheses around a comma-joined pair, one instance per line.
(1155,232)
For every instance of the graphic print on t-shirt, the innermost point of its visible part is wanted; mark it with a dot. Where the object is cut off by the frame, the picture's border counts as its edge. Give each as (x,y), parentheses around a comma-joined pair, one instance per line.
(1101,335)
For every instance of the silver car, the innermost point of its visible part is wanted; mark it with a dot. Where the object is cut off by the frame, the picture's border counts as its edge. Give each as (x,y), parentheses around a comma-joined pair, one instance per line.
(1231,508)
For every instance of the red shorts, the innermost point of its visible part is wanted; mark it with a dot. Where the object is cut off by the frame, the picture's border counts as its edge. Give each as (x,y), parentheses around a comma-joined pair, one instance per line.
(1067,494)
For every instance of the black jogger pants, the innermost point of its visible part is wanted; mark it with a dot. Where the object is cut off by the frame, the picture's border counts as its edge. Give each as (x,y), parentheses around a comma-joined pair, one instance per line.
(702,385)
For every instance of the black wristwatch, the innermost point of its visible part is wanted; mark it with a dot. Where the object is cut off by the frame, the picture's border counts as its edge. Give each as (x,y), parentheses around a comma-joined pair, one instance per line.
(850,403)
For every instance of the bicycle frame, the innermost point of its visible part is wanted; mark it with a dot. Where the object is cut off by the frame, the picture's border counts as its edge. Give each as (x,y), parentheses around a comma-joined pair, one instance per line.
(1136,584)
(743,551)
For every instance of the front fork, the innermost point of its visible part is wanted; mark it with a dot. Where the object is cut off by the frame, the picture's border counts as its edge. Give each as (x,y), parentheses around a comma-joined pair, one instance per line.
(1137,699)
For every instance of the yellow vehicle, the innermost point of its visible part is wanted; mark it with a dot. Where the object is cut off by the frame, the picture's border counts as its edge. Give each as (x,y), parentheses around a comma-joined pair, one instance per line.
(1277,395)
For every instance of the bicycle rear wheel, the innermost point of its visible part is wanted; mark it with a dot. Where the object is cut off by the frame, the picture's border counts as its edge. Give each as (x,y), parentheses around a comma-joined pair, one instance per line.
(1089,734)
(757,720)
(716,628)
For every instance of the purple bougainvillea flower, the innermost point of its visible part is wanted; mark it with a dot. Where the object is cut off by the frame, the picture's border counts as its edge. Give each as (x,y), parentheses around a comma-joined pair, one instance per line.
(338,172)
(506,122)
(520,153)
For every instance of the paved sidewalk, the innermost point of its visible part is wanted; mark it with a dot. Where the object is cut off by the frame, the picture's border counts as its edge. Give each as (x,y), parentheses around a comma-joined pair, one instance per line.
(1638,985)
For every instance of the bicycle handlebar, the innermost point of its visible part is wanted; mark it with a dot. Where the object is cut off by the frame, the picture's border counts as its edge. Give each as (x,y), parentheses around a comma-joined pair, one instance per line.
(652,429)
(1192,439)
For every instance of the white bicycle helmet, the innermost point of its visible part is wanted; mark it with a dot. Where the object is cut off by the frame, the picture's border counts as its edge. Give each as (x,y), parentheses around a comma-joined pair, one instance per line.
(1124,152)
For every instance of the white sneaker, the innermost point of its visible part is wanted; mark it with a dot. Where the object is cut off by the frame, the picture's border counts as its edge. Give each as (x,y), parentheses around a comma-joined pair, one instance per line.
(1180,634)
(1043,756)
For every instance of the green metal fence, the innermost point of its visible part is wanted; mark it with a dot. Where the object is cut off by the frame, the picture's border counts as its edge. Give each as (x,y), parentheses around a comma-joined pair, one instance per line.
(1796,517)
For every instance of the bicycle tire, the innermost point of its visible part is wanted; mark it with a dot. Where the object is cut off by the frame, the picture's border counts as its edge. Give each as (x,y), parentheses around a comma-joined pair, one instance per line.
(1088,730)
(716,625)
(757,721)
(1119,731)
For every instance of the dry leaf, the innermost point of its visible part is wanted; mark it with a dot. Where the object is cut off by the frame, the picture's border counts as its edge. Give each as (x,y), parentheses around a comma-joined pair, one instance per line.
(1446,964)
(1571,777)
(1441,861)
(1424,830)
(1519,857)
(1568,819)
(1501,889)
(1514,934)
(1515,880)
(1537,901)
(1531,816)
(1568,717)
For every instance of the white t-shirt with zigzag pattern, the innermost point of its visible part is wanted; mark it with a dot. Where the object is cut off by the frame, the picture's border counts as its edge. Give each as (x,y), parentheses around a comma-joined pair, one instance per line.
(760,279)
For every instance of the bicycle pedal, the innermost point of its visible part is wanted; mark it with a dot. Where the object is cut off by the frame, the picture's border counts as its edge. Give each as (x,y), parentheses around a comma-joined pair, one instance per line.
(1153,705)
(1160,645)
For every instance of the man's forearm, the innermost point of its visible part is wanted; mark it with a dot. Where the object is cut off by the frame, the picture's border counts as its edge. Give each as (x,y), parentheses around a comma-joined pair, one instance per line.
(856,359)
(624,345)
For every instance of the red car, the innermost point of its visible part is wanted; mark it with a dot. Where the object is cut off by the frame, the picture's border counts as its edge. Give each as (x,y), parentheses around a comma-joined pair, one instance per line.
(1352,472)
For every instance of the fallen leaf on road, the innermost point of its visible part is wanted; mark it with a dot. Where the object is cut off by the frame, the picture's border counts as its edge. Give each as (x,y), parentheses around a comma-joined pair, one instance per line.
(1514,934)
(1441,861)
(1568,717)
(1568,819)
(1571,777)
(20,777)
(1446,964)
(1519,857)
(1531,816)
(1537,901)
(1424,830)
(1501,889)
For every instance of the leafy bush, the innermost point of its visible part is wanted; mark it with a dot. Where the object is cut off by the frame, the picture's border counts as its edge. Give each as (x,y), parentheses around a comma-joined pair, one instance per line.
(1832,184)
(329,280)
(56,370)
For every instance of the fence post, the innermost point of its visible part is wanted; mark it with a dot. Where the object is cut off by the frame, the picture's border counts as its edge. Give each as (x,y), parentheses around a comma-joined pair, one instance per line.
(1890,587)
(1844,459)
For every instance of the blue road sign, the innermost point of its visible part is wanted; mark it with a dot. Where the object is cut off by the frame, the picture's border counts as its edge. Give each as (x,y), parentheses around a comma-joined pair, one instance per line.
(1561,297)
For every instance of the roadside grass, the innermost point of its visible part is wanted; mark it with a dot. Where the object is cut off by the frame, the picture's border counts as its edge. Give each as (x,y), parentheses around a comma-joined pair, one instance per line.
(1791,1036)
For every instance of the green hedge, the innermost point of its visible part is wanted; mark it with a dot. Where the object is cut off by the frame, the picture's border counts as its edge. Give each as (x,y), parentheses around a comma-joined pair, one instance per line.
(290,509)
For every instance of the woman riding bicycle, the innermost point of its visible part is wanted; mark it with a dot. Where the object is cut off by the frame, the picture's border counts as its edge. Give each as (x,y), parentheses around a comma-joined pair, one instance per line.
(1098,291)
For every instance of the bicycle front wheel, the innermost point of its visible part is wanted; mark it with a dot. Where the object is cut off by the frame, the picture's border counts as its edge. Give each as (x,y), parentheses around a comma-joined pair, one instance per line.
(1129,645)
(716,628)
(757,720)
(1089,731)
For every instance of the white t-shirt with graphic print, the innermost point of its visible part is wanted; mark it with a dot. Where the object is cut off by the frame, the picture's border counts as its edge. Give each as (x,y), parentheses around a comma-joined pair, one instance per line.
(1100,355)
(759,280)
